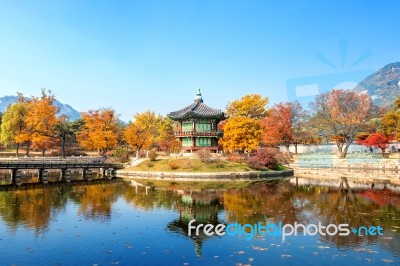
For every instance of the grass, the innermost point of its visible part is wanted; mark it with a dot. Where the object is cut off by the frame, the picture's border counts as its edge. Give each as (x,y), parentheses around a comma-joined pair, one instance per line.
(194,185)
(190,165)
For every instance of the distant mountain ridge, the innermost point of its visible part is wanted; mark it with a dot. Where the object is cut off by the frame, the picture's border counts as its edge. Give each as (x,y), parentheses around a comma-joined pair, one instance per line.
(383,85)
(64,109)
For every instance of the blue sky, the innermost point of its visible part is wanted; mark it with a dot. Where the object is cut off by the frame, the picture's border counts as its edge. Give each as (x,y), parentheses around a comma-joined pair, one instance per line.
(154,55)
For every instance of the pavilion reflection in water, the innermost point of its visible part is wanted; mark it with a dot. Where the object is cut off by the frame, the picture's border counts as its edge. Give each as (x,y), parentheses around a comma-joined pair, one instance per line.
(201,206)
(35,209)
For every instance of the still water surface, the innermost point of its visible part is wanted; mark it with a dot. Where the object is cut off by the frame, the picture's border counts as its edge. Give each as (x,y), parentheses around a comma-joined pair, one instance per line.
(121,224)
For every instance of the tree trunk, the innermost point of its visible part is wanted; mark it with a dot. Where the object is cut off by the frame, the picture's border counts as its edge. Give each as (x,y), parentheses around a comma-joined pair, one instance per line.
(287,145)
(340,149)
(28,146)
(343,153)
(43,152)
(17,150)
(295,147)
(63,147)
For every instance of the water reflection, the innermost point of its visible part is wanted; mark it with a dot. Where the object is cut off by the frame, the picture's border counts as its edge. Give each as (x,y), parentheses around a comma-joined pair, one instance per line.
(276,202)
(201,206)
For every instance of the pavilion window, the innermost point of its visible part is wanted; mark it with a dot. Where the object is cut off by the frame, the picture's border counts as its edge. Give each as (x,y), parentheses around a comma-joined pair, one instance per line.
(203,142)
(203,127)
(186,126)
(186,142)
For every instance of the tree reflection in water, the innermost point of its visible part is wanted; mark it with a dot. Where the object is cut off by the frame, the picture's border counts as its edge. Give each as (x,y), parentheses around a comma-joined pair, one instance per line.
(264,201)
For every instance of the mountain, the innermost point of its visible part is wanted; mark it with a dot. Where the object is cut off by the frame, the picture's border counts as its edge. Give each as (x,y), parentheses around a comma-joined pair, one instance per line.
(383,86)
(64,109)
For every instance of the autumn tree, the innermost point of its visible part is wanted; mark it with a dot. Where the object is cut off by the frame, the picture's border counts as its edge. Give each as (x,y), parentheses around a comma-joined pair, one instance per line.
(63,130)
(251,105)
(242,130)
(13,127)
(284,125)
(100,131)
(166,140)
(342,113)
(141,134)
(241,134)
(42,120)
(390,123)
(377,140)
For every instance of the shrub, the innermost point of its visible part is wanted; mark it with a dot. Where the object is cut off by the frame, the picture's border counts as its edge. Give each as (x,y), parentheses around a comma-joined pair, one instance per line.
(173,164)
(187,163)
(283,158)
(121,154)
(204,155)
(265,158)
(235,158)
(149,164)
(2,148)
(218,163)
(153,155)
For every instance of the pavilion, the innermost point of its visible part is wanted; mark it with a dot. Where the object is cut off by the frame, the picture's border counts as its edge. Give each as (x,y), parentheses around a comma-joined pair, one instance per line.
(198,126)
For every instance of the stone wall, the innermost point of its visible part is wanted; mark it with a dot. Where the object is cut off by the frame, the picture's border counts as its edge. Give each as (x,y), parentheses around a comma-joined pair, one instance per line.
(355,172)
(216,176)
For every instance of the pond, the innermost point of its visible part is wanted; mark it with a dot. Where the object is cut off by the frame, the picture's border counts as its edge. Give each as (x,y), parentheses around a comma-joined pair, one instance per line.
(120,223)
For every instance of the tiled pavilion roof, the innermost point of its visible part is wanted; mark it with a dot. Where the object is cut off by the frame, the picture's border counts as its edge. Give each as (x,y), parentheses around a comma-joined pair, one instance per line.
(197,110)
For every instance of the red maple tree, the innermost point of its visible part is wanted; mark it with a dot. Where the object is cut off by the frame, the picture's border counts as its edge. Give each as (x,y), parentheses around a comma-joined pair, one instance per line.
(377,140)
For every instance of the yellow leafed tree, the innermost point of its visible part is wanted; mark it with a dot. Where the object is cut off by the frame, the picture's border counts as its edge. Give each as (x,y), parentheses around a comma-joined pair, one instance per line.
(13,126)
(250,105)
(100,130)
(142,133)
(242,130)
(241,134)
(166,140)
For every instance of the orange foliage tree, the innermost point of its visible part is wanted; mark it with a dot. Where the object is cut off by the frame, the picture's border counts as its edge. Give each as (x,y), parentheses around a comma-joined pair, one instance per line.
(100,130)
(343,113)
(41,121)
(283,125)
